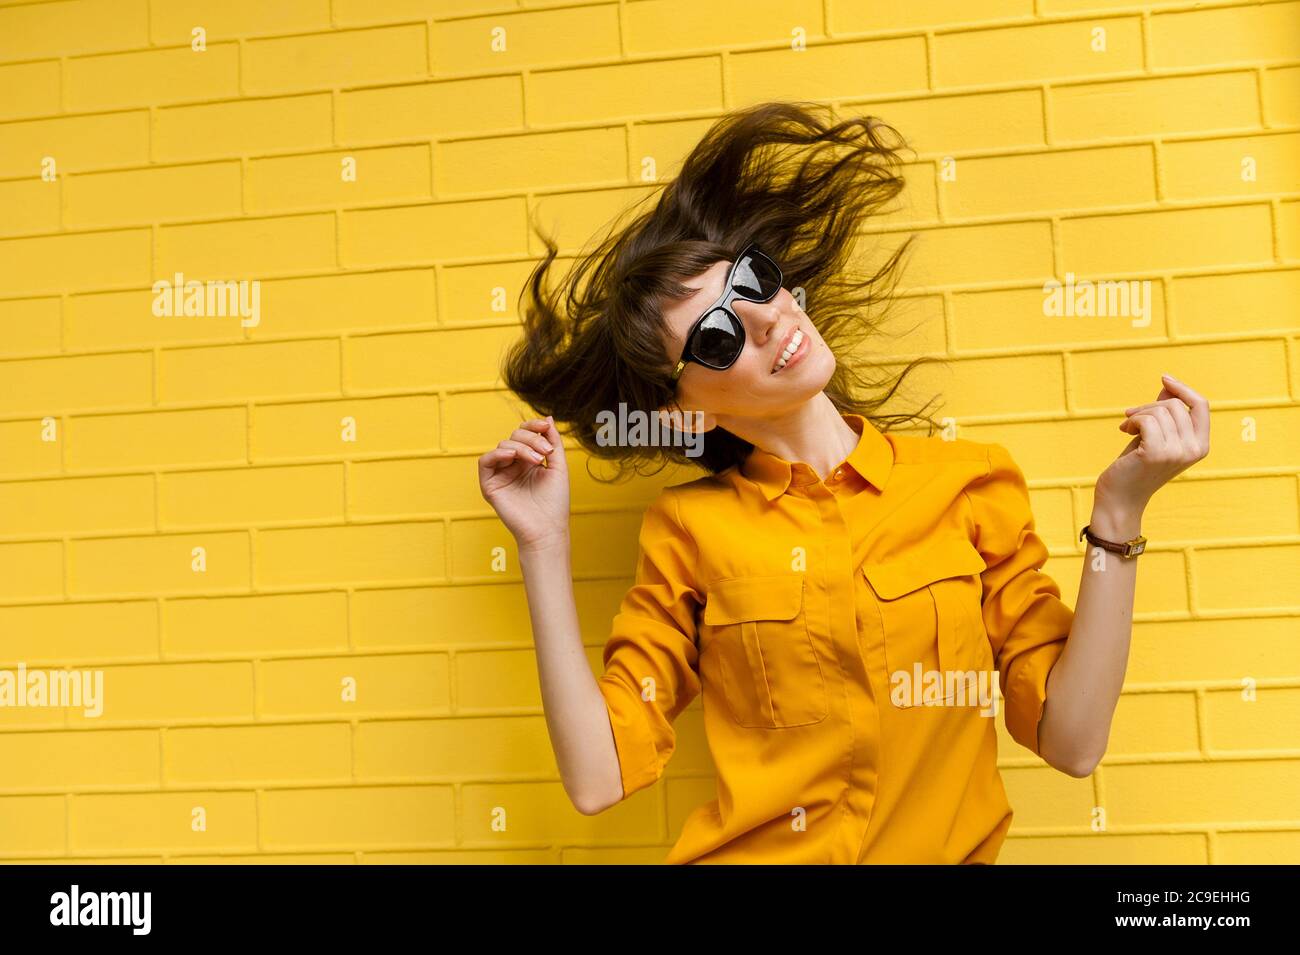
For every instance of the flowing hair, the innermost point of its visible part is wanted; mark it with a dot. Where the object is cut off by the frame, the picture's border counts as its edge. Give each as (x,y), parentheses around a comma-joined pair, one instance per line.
(776,174)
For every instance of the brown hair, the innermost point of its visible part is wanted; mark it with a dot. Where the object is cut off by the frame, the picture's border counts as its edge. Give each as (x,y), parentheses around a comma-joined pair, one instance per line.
(774,173)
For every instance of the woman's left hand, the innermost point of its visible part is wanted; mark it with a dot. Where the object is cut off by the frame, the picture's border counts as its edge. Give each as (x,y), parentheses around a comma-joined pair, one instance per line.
(1170,435)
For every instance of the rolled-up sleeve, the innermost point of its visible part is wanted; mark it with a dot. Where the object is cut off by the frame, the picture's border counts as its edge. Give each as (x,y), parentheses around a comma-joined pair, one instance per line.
(651,658)
(1027,621)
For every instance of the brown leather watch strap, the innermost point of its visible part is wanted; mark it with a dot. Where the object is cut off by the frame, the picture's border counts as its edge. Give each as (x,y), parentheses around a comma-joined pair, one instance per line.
(1127,549)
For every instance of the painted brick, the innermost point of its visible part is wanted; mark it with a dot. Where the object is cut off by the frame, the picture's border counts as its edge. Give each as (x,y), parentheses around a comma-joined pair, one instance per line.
(247,248)
(211,756)
(424,110)
(1152,107)
(31,326)
(173,693)
(74,261)
(384,685)
(1205,37)
(78,505)
(251,496)
(153,195)
(152,77)
(162,821)
(1042,51)
(46,386)
(172,22)
(362,816)
(30,32)
(109,320)
(142,565)
(75,143)
(254,626)
(335,59)
(335,303)
(227,372)
(621,91)
(41,634)
(531,39)
(348,428)
(247,127)
(427,359)
(157,439)
(370,552)
(315,180)
(538,159)
(867,68)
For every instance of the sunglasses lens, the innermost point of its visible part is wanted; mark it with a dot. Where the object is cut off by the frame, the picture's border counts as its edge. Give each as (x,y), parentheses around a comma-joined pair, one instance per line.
(757,277)
(717,340)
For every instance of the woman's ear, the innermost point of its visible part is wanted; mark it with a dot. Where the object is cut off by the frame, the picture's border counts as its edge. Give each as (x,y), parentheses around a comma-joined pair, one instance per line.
(687,422)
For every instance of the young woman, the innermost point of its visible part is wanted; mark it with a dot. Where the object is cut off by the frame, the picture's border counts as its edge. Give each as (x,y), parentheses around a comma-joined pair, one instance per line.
(843,596)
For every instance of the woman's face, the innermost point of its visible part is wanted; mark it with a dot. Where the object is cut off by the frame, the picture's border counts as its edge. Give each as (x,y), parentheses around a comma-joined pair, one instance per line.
(757,385)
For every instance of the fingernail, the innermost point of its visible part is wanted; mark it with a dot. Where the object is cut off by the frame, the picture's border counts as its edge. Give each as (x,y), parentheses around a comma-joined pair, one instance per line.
(537,456)
(547,446)
(1169,376)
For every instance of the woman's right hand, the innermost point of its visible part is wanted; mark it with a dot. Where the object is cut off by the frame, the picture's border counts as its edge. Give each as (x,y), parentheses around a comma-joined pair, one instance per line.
(531,500)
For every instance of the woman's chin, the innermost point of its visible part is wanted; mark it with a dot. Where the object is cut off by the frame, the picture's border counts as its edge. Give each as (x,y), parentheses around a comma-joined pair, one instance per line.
(809,376)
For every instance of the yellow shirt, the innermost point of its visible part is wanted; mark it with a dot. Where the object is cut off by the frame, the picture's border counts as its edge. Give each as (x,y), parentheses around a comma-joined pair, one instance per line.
(799,607)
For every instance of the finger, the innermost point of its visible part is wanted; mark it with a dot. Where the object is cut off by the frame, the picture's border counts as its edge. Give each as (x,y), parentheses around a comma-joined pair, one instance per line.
(525,453)
(1200,408)
(1183,431)
(556,458)
(1183,424)
(495,460)
(1149,428)
(533,440)
(1147,406)
(537,424)
(548,438)
(1168,428)
(1165,398)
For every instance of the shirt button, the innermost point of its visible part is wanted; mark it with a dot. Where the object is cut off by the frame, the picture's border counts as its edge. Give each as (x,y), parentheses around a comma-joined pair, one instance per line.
(839,472)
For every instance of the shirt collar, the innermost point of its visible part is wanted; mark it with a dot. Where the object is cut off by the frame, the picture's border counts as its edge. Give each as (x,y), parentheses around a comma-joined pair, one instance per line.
(873,458)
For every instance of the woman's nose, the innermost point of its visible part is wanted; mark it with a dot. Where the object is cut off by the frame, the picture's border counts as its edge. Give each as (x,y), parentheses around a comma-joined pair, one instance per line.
(760,317)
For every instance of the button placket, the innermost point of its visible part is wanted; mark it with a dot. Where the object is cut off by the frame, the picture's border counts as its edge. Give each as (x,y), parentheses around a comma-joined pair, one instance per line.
(862,726)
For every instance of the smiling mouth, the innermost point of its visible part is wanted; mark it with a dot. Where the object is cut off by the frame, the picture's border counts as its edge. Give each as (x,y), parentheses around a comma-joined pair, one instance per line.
(793,346)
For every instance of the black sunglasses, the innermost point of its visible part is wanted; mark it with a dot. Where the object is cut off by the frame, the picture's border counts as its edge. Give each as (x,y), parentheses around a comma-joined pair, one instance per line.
(718,336)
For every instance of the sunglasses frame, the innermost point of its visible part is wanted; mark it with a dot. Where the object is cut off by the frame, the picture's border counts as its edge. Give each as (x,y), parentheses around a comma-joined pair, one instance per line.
(729,294)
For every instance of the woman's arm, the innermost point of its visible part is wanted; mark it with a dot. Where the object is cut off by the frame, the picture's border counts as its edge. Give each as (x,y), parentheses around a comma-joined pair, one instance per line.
(1172,433)
(526,480)
(1084,684)
(576,715)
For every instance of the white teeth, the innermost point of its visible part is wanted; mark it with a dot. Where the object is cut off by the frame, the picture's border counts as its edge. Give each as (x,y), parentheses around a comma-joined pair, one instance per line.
(795,341)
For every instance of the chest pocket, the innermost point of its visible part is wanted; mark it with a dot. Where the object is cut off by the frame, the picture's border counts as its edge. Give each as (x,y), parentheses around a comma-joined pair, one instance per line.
(756,629)
(930,606)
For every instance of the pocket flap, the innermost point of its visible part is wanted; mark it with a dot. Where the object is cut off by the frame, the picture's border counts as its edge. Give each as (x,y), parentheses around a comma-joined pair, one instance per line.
(947,557)
(734,599)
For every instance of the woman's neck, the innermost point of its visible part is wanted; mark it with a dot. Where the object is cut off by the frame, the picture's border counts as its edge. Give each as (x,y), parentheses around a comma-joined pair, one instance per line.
(814,433)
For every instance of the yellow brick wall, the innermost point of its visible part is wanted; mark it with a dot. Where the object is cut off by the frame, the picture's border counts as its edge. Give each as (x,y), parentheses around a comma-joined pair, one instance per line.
(128,440)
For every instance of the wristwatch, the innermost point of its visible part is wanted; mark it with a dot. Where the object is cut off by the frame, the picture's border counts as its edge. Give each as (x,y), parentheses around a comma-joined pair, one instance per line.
(1127,549)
